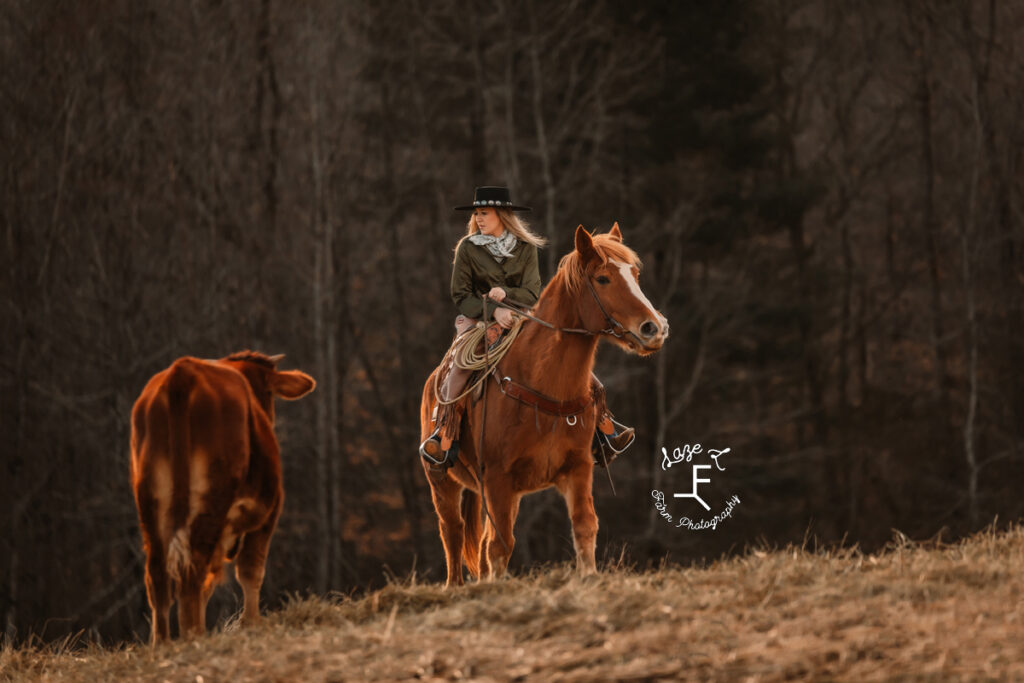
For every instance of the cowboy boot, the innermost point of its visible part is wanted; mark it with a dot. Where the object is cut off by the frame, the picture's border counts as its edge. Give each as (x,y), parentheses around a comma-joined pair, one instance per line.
(437,456)
(441,451)
(610,439)
(431,448)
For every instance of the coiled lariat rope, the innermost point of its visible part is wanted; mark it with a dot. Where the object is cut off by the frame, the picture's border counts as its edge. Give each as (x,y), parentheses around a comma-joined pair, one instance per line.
(464,354)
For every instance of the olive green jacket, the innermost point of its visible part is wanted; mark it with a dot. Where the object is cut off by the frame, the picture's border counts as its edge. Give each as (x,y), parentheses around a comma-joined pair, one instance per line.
(475,272)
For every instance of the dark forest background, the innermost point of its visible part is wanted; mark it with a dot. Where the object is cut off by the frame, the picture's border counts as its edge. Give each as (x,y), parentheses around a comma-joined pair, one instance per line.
(827,198)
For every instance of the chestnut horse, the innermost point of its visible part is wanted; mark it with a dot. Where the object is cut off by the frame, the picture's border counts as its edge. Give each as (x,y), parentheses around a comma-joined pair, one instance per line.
(524,449)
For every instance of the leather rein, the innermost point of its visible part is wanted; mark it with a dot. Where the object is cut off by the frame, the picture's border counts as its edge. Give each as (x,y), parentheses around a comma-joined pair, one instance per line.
(524,394)
(613,327)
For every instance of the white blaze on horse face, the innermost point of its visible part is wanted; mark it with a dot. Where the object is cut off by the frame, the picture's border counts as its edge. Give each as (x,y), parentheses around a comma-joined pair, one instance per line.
(626,270)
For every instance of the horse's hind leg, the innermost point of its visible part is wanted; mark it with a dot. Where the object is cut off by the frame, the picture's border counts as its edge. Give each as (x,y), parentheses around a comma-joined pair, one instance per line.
(577,489)
(485,565)
(447,496)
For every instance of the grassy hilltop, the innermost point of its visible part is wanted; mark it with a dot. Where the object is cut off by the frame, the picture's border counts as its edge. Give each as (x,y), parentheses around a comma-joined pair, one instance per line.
(913,612)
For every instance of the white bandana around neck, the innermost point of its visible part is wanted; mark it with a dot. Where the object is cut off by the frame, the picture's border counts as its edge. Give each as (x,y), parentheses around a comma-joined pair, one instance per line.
(499,247)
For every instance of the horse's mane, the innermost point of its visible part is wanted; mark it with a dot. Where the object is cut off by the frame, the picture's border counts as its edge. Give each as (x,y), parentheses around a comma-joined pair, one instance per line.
(572,271)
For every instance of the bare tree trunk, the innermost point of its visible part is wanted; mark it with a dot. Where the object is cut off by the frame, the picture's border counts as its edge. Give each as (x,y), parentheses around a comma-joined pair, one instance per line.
(845,463)
(972,367)
(667,412)
(1001,173)
(511,157)
(405,460)
(323,335)
(13,465)
(266,85)
(931,234)
(537,78)
(890,240)
(967,230)
(478,119)
(13,567)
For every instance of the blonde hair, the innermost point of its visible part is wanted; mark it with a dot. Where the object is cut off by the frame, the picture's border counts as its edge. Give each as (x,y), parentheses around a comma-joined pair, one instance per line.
(511,222)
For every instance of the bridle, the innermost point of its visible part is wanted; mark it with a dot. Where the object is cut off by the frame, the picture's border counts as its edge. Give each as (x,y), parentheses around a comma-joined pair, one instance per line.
(613,327)
(567,409)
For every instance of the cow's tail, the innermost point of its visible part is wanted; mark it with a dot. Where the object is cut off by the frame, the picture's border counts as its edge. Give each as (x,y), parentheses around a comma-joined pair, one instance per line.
(180,383)
(472,531)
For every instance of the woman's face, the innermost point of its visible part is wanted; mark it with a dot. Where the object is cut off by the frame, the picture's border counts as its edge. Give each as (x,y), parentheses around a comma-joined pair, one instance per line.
(488,222)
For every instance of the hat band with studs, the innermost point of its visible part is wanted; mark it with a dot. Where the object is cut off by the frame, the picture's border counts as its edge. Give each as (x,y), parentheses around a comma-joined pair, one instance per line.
(494,197)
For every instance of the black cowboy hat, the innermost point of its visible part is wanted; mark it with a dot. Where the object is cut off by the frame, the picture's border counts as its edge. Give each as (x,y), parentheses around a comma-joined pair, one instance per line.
(494,198)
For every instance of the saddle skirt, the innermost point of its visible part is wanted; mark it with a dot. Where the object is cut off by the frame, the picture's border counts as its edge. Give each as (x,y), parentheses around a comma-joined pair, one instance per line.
(464,363)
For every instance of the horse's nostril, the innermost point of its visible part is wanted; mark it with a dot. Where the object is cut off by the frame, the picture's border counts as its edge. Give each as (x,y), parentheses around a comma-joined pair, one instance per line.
(648,329)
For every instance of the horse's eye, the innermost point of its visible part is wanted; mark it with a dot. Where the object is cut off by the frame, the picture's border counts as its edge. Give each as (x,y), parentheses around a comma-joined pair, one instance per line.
(603,280)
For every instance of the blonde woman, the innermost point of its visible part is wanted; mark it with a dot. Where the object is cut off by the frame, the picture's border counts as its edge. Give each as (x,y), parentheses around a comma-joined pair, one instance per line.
(498,256)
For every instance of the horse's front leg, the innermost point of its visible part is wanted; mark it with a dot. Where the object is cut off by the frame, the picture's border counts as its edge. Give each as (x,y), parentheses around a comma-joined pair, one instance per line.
(577,489)
(503,505)
(447,494)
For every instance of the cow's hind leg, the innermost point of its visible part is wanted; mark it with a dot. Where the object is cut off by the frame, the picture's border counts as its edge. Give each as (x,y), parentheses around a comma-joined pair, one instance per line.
(214,577)
(577,489)
(158,581)
(158,591)
(250,566)
(191,620)
(447,496)
(198,548)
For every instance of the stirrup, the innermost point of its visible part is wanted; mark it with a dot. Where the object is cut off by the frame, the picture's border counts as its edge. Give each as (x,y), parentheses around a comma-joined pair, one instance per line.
(603,450)
(431,448)
(431,451)
(619,429)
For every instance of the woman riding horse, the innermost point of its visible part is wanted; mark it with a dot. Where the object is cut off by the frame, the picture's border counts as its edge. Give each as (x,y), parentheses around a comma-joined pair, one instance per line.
(498,256)
(533,426)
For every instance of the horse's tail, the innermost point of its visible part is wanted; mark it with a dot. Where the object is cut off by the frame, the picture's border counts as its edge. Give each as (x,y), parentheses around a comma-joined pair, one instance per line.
(473,531)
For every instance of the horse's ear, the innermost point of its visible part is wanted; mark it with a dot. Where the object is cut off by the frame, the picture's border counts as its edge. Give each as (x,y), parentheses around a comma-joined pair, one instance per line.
(615,233)
(585,244)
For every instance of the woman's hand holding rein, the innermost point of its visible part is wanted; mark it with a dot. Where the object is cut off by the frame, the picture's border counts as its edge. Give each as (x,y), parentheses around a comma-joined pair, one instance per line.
(504,317)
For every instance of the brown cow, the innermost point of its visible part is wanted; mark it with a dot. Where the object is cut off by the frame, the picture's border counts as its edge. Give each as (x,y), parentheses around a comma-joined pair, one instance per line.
(206,471)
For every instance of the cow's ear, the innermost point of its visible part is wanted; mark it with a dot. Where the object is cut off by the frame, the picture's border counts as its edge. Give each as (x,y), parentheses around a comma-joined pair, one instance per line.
(292,384)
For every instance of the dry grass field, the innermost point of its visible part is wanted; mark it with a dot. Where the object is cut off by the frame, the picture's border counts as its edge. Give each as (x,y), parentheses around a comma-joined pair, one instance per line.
(914,612)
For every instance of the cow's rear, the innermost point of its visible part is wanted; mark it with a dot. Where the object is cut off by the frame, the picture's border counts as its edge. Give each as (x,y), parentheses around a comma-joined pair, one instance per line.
(207,479)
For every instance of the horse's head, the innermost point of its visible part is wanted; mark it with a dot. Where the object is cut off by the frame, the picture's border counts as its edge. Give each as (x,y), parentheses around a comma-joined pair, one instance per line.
(604,271)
